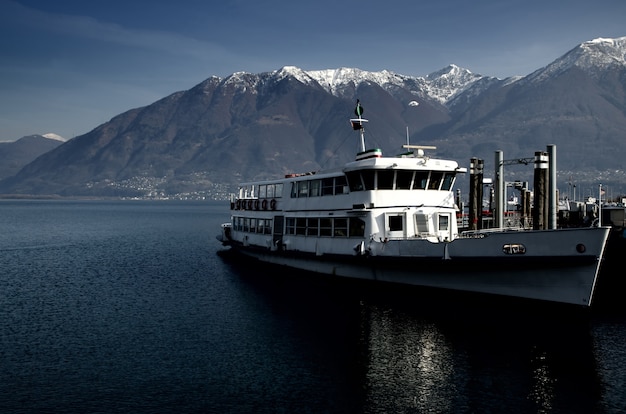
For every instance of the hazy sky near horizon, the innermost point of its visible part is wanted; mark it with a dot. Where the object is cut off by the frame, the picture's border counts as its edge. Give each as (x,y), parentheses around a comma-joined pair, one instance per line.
(68,66)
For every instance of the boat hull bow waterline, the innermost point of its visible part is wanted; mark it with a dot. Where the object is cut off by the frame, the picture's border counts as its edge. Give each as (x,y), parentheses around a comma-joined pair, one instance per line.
(394,219)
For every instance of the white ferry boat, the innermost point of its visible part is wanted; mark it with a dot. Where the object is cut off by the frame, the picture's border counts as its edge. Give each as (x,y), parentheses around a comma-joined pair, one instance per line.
(394,219)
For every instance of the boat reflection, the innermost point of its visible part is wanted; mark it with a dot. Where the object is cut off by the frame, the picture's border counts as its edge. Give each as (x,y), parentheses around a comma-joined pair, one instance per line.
(462,359)
(409,365)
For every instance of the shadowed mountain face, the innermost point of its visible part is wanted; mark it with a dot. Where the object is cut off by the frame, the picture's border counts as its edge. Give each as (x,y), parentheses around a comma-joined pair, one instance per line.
(15,155)
(244,127)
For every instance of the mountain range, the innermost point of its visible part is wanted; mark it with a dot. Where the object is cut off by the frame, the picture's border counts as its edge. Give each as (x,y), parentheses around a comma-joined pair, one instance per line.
(203,141)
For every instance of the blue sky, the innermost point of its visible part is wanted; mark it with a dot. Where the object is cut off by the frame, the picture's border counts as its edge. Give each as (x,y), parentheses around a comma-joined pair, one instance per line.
(68,66)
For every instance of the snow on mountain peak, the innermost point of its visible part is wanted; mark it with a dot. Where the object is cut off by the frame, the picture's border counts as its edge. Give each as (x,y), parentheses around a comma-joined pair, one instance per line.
(335,80)
(448,82)
(602,52)
(591,56)
(441,85)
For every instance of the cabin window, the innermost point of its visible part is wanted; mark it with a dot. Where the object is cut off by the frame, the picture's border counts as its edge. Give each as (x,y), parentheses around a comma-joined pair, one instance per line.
(444,222)
(315,188)
(246,224)
(404,179)
(395,223)
(312,227)
(421,178)
(357,227)
(264,226)
(435,180)
(290,225)
(448,181)
(354,181)
(301,226)
(385,179)
(341,227)
(278,191)
(294,189)
(303,188)
(326,227)
(421,222)
(270,191)
(341,185)
(263,191)
(328,186)
(253,225)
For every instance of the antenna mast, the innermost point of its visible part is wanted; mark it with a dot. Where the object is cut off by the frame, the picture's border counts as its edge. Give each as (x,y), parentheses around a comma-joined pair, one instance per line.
(357,124)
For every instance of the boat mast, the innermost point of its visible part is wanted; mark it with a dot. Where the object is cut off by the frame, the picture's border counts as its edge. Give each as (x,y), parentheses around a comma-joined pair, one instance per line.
(357,124)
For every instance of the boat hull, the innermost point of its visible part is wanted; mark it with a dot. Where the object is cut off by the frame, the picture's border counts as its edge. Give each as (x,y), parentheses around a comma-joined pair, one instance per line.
(554,270)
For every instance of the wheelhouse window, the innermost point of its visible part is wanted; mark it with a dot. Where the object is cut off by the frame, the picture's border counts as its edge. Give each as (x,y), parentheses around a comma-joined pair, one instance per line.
(448,181)
(435,180)
(404,179)
(421,178)
(354,181)
(385,179)
(369,179)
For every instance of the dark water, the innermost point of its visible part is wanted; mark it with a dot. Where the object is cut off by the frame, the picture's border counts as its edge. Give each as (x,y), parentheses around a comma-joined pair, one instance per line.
(126,307)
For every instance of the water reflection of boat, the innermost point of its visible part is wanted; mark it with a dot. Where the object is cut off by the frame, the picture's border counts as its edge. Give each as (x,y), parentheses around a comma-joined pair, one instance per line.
(394,219)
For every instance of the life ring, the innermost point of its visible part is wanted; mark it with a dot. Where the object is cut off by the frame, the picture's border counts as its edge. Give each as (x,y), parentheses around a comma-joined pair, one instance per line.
(273,204)
(249,204)
(238,205)
(256,204)
(264,205)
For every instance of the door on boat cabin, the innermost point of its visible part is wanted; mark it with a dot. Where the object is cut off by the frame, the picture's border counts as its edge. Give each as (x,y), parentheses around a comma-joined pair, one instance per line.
(277,236)
(395,225)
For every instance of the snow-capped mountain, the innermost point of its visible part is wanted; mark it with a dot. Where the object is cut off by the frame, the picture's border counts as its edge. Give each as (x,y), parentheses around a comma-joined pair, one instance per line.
(247,126)
(591,57)
(442,86)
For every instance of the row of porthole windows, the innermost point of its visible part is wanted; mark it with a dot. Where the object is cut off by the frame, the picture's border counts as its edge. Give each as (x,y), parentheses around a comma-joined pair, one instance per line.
(325,226)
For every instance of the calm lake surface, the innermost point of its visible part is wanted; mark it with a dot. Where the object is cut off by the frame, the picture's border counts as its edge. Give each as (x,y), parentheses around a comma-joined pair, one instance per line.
(126,306)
